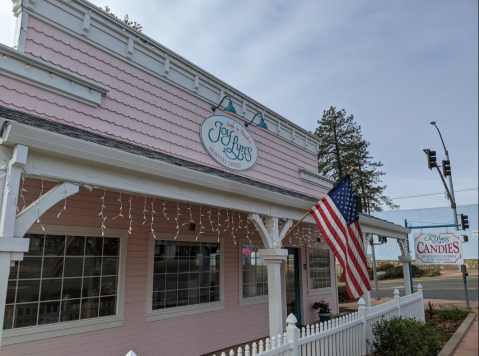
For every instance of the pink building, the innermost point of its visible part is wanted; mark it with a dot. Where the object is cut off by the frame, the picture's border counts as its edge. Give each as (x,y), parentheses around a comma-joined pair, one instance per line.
(133,216)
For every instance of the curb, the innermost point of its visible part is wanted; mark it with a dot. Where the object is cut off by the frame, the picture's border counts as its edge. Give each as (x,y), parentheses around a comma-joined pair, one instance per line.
(458,336)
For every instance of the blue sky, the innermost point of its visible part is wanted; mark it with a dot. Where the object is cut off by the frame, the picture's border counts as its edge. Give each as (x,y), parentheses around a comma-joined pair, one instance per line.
(394,65)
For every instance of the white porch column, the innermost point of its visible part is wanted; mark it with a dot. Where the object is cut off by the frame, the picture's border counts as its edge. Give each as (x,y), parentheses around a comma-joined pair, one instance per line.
(407,277)
(367,296)
(273,258)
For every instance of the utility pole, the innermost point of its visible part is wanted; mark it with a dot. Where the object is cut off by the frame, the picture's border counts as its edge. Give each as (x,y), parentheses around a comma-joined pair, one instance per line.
(447,171)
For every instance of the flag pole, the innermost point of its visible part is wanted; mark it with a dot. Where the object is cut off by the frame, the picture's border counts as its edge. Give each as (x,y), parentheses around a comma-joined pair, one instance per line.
(304,217)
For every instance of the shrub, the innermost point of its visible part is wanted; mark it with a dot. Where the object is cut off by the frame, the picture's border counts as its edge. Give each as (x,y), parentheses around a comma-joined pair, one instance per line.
(384,267)
(398,337)
(452,313)
(322,306)
(343,296)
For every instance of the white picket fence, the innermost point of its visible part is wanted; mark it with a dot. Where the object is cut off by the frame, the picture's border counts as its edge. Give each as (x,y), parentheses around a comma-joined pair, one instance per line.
(343,336)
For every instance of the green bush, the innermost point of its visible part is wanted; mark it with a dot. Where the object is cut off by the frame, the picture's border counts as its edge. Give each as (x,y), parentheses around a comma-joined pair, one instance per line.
(384,267)
(452,313)
(343,295)
(401,337)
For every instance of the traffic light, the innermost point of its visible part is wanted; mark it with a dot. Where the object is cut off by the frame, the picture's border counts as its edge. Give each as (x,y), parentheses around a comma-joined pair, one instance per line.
(446,168)
(431,158)
(464,222)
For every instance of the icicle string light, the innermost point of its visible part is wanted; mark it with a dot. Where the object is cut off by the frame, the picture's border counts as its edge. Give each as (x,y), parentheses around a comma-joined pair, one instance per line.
(218,225)
(129,215)
(239,221)
(121,208)
(65,201)
(176,219)
(233,227)
(153,217)
(227,220)
(38,207)
(201,226)
(191,217)
(247,229)
(144,212)
(103,218)
(164,211)
(211,221)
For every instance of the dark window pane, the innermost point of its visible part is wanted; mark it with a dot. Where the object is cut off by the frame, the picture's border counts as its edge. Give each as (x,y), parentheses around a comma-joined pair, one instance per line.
(183,249)
(158,300)
(54,245)
(25,315)
(160,248)
(53,267)
(73,266)
(71,288)
(182,297)
(90,287)
(183,265)
(194,248)
(8,319)
(111,246)
(70,310)
(194,280)
(194,266)
(75,246)
(214,294)
(49,313)
(14,270)
(204,295)
(30,267)
(205,264)
(193,296)
(107,306)
(204,279)
(108,285)
(172,265)
(93,246)
(51,289)
(160,265)
(171,299)
(12,286)
(158,282)
(110,266)
(171,281)
(89,308)
(183,281)
(171,250)
(205,249)
(214,279)
(92,266)
(27,291)
(35,247)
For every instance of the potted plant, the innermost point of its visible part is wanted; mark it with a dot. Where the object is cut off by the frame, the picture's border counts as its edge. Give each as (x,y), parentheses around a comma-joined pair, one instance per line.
(324,311)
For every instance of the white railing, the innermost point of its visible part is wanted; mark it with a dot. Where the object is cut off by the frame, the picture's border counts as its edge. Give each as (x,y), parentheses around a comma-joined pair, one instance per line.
(343,336)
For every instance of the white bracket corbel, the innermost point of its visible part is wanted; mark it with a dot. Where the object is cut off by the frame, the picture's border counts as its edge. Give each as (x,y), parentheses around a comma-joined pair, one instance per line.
(284,229)
(263,232)
(25,219)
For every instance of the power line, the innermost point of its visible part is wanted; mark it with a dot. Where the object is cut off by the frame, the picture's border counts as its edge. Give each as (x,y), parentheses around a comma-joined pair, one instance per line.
(426,195)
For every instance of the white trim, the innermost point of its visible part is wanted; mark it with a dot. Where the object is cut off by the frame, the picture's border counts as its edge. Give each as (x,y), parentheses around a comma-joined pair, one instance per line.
(120,40)
(14,336)
(243,302)
(315,178)
(321,291)
(32,70)
(176,312)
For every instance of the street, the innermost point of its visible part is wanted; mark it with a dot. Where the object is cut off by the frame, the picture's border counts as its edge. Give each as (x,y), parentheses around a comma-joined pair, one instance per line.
(449,288)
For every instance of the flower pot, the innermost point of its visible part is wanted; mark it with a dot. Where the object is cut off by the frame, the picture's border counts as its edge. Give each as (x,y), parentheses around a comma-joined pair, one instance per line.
(324,317)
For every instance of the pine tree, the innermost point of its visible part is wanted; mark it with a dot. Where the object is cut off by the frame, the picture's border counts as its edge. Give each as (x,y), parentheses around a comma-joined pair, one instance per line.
(342,147)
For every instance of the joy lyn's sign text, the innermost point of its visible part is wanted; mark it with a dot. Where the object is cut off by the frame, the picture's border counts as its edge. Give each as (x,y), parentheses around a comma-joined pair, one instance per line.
(438,248)
(228,143)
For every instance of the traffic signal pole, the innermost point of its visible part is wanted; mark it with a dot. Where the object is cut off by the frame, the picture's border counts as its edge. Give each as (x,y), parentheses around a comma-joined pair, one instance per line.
(450,192)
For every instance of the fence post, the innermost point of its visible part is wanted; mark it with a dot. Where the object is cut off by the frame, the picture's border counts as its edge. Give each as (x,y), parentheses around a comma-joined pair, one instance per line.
(398,301)
(291,331)
(362,316)
(419,290)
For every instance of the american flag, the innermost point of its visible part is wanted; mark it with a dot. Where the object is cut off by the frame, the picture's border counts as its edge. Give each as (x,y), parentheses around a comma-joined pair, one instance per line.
(337,217)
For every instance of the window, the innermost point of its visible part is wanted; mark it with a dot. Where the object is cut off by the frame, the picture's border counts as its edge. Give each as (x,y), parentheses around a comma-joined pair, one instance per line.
(319,263)
(65,284)
(184,276)
(253,275)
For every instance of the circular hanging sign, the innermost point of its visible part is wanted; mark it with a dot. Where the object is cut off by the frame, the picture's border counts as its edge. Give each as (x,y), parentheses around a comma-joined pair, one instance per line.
(228,143)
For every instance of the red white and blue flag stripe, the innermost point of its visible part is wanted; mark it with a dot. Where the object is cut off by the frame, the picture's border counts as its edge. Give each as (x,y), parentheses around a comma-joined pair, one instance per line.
(337,217)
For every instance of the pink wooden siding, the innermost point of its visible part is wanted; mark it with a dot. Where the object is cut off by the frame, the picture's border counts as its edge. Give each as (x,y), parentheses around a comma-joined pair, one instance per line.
(142,109)
(188,335)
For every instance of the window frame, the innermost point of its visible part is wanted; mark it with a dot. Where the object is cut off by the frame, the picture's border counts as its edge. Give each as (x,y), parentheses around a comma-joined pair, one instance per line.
(185,310)
(39,332)
(320,291)
(243,302)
